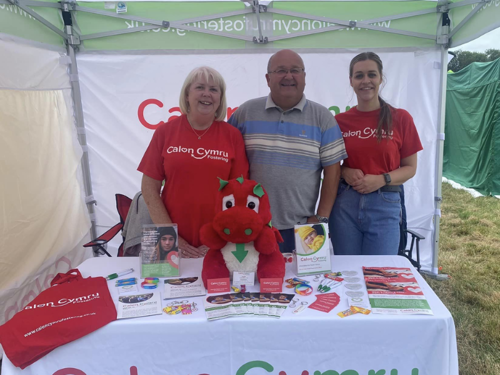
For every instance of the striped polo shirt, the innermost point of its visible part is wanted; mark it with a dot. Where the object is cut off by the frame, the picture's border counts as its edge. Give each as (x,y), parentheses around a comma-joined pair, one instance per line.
(287,151)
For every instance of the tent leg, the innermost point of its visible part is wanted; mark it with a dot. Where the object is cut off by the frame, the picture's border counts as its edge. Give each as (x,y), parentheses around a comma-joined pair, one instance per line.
(77,104)
(434,272)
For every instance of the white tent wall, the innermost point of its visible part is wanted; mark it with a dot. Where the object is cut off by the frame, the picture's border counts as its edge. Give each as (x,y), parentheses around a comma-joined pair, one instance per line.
(44,218)
(116,89)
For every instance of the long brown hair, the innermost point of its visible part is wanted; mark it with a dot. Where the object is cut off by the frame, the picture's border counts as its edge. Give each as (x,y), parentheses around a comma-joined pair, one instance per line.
(385,116)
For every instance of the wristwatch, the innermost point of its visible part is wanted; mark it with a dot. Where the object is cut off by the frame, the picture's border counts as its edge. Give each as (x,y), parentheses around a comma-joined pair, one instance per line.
(387,178)
(321,219)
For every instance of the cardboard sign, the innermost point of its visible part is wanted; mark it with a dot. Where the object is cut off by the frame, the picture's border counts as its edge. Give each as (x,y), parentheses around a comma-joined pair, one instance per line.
(271,285)
(219,285)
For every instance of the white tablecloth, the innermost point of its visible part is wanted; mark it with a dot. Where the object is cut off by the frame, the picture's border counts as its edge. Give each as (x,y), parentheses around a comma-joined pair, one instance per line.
(311,342)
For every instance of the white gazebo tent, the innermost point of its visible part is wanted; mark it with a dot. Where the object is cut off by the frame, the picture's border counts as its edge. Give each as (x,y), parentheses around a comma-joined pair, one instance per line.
(115,71)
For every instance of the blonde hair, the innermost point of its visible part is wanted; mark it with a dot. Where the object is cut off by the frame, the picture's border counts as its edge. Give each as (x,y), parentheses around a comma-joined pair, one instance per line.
(207,73)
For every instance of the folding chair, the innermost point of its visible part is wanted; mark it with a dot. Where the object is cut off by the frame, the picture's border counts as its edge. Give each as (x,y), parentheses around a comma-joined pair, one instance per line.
(100,243)
(415,237)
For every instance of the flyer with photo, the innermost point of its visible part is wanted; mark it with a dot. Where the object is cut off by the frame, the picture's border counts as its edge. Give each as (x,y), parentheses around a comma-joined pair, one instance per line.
(263,305)
(159,251)
(254,303)
(183,287)
(240,304)
(394,291)
(137,305)
(218,307)
(312,249)
(279,303)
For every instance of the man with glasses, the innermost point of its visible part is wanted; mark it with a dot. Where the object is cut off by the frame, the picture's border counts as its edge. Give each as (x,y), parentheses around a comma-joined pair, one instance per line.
(289,141)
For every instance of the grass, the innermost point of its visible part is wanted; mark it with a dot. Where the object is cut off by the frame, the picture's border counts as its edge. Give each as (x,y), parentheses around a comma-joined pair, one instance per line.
(470,254)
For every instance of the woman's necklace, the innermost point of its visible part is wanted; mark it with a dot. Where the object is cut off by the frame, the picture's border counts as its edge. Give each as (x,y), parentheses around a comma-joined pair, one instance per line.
(200,135)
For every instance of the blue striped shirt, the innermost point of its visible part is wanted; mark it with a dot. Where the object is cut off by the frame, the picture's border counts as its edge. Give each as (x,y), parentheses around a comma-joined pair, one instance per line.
(287,151)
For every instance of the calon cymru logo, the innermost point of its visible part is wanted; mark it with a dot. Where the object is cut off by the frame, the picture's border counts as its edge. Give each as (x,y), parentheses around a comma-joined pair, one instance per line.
(174,110)
(247,367)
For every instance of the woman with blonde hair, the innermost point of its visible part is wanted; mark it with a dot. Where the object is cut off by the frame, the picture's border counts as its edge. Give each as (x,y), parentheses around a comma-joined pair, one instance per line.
(189,153)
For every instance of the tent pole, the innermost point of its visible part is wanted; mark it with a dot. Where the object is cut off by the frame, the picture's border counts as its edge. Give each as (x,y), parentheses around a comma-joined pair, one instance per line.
(434,272)
(438,196)
(80,126)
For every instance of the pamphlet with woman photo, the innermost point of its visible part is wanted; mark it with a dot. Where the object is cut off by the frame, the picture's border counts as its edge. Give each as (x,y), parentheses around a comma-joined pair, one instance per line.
(160,251)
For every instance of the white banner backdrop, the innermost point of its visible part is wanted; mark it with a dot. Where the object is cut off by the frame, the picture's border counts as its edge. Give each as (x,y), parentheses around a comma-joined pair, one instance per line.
(126,96)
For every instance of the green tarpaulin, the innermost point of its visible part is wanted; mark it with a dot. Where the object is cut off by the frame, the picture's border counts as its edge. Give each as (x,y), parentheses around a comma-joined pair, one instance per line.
(472,145)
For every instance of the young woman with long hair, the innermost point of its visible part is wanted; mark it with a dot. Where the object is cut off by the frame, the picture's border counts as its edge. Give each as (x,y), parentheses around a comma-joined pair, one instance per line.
(382,144)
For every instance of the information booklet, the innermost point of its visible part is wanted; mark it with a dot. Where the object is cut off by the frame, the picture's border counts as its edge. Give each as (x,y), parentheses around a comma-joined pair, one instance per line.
(159,251)
(394,291)
(137,305)
(183,287)
(312,249)
(267,305)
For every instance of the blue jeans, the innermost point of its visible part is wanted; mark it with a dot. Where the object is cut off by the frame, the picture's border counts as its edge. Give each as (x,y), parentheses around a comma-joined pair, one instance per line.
(289,237)
(365,224)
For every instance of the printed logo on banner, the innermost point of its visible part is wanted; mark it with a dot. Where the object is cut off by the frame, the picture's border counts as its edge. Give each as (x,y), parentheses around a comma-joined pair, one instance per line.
(244,370)
(142,108)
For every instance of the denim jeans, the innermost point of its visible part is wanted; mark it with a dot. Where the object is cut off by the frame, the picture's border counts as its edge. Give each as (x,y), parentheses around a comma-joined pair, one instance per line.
(365,224)
(289,240)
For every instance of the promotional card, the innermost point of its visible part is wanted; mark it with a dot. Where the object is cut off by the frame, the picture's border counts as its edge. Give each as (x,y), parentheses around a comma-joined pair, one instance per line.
(159,251)
(312,249)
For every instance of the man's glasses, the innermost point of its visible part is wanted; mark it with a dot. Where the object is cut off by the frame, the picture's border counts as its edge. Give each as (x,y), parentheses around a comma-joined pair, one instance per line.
(284,72)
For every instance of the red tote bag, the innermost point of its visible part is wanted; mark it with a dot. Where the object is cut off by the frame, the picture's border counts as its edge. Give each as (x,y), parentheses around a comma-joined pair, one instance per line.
(71,308)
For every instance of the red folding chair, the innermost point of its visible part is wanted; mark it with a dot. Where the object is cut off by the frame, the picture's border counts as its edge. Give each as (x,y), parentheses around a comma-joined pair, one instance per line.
(100,243)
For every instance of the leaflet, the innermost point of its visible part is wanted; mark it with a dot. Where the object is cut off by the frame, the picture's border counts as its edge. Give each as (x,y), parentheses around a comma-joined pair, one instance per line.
(239,304)
(218,307)
(137,305)
(159,251)
(279,303)
(263,309)
(183,287)
(394,291)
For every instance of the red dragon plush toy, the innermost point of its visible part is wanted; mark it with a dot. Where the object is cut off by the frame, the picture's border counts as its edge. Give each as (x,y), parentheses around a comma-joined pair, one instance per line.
(241,237)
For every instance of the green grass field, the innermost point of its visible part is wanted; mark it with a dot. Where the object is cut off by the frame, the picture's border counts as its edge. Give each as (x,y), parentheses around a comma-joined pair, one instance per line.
(470,254)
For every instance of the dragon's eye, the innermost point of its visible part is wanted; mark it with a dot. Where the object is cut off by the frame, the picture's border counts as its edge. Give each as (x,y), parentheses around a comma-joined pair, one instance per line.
(253,203)
(227,202)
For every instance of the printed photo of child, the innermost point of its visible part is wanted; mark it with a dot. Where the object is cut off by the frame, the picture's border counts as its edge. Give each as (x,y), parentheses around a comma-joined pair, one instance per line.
(311,238)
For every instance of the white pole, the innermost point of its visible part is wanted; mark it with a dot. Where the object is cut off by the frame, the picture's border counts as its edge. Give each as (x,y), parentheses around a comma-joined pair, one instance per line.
(439,161)
(77,105)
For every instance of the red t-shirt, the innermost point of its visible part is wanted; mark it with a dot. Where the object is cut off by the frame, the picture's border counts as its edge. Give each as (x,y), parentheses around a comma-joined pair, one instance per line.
(190,167)
(365,152)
